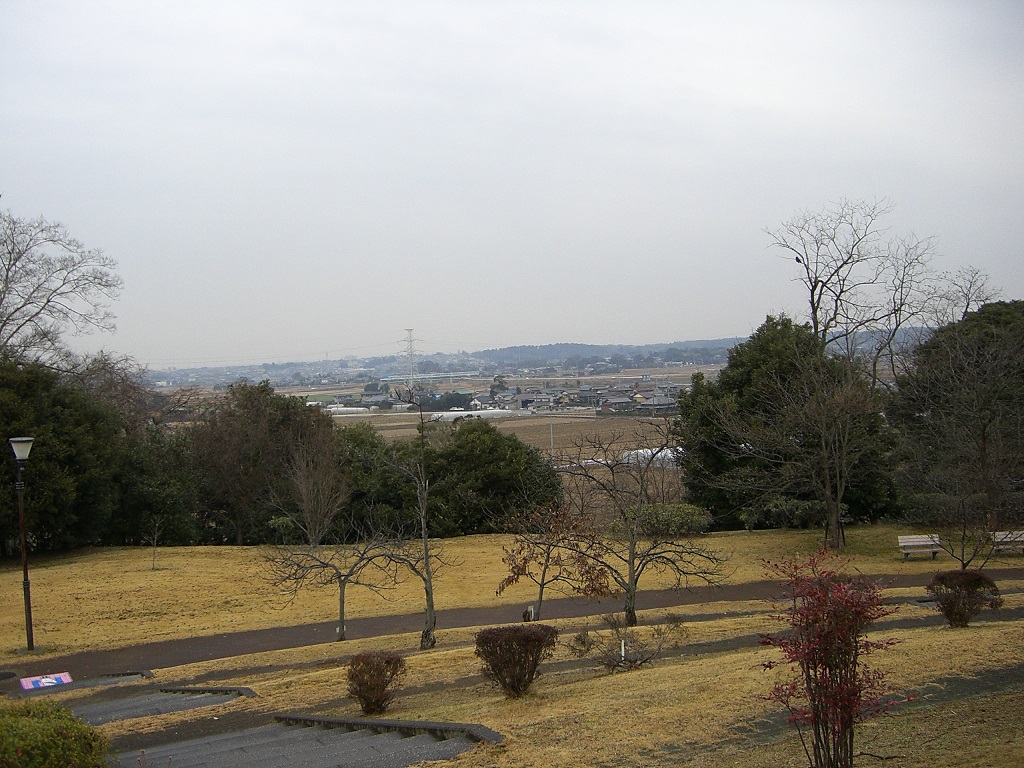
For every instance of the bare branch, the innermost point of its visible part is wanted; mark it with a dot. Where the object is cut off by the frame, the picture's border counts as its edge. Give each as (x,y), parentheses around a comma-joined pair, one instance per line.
(637,521)
(49,284)
(863,286)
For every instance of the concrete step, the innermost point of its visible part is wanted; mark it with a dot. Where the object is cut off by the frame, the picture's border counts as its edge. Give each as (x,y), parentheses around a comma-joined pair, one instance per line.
(210,745)
(310,750)
(240,747)
(147,705)
(280,746)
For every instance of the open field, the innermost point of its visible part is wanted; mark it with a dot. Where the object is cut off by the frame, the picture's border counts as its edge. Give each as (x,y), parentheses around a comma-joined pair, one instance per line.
(560,431)
(701,709)
(676,374)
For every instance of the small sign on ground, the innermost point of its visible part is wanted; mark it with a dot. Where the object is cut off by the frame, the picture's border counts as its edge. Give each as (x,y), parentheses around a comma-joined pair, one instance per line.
(45,681)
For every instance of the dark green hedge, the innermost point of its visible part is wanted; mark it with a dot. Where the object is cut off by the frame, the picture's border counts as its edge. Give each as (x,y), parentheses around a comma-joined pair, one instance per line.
(43,734)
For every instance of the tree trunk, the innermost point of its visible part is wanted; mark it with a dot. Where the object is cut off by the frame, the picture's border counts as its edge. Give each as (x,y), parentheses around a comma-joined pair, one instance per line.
(834,537)
(541,583)
(631,583)
(427,637)
(342,583)
(630,607)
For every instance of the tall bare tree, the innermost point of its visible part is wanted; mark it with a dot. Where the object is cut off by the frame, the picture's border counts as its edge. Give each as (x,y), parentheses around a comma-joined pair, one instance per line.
(959,293)
(330,553)
(863,285)
(421,556)
(50,284)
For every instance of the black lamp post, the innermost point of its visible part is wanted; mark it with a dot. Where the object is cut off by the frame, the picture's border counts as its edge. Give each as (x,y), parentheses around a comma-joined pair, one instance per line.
(21,447)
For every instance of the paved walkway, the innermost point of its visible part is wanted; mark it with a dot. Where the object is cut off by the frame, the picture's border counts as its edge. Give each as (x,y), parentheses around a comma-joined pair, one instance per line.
(171,653)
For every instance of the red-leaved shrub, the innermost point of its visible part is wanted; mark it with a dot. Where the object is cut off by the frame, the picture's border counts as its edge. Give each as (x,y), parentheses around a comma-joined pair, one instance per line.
(831,690)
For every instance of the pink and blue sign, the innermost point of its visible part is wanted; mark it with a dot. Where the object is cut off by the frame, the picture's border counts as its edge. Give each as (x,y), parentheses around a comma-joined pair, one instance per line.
(45,681)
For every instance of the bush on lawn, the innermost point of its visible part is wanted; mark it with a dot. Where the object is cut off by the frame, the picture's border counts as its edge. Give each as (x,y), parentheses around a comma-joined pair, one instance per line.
(960,595)
(830,690)
(623,648)
(512,654)
(43,734)
(374,678)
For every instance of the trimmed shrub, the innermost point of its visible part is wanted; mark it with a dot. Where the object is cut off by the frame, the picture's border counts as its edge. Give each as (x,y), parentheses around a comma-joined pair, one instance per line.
(512,654)
(960,595)
(43,734)
(374,678)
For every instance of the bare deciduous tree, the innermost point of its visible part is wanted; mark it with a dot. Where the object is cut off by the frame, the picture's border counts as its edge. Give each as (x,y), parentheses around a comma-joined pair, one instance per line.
(366,562)
(629,492)
(863,286)
(422,556)
(317,481)
(318,496)
(50,284)
(538,553)
(960,293)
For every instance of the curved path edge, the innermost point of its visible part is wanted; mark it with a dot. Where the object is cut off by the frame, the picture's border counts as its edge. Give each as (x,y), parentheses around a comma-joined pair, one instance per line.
(176,652)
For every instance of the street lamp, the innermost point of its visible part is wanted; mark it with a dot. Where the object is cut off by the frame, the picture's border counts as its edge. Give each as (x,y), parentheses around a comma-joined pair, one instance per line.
(21,447)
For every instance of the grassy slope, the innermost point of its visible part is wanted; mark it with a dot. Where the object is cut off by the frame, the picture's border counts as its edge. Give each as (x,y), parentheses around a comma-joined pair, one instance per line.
(104,597)
(692,708)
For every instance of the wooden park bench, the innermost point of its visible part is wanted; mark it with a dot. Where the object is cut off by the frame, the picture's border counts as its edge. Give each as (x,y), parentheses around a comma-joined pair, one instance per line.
(927,542)
(1002,540)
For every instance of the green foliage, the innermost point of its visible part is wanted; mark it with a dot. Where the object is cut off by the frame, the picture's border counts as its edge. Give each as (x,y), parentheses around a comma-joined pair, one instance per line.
(786,429)
(43,734)
(378,492)
(241,449)
(374,679)
(512,654)
(158,483)
(482,476)
(961,595)
(675,519)
(70,487)
(755,369)
(499,385)
(959,409)
(447,402)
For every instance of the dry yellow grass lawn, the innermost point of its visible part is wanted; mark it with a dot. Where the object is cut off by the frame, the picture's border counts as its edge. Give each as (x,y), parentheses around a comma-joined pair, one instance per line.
(686,707)
(113,597)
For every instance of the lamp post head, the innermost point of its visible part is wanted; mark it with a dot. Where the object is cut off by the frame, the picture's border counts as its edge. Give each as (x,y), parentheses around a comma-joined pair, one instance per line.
(21,447)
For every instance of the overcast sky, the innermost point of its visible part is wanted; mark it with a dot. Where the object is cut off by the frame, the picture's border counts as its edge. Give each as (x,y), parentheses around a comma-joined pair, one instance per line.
(299,180)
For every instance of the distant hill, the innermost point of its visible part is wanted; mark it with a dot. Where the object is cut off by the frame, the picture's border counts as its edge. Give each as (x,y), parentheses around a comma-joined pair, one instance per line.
(554,354)
(579,356)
